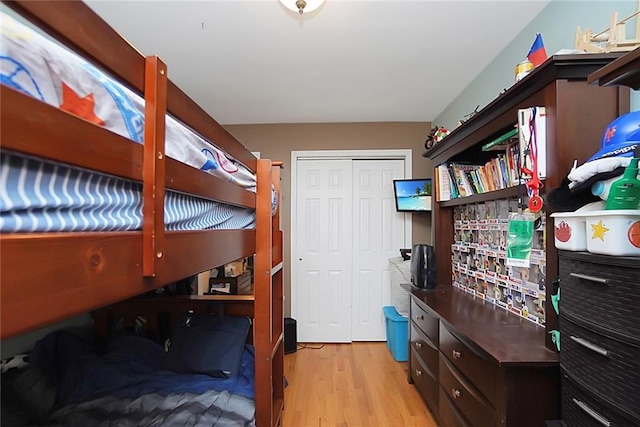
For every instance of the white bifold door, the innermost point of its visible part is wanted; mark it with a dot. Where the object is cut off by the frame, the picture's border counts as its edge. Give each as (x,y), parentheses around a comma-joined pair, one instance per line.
(346,231)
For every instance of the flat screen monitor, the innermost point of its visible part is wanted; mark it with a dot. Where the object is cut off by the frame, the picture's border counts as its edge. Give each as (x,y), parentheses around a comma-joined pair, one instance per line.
(412,195)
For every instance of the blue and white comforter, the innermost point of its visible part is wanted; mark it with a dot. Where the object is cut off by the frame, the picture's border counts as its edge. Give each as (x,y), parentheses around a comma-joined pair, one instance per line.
(37,196)
(124,385)
(43,69)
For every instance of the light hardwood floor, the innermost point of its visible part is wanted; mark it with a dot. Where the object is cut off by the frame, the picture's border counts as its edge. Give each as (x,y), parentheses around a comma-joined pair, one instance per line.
(350,385)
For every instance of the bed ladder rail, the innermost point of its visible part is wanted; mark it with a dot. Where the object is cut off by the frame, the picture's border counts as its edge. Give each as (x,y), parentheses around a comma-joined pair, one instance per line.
(153,173)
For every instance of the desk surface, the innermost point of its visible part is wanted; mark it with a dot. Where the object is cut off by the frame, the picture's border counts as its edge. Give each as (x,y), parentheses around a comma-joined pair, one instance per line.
(503,336)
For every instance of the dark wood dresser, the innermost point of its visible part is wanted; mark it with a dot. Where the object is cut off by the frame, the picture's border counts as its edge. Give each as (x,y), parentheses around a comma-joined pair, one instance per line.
(476,364)
(599,339)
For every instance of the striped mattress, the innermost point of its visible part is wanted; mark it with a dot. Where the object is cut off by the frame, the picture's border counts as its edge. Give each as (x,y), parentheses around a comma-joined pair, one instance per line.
(37,196)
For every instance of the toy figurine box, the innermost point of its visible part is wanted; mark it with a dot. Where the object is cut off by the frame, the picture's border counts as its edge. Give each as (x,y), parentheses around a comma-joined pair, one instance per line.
(478,260)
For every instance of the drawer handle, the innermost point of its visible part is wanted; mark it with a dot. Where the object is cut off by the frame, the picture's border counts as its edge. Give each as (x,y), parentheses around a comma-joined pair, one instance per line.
(596,416)
(419,317)
(455,393)
(590,278)
(456,354)
(590,345)
(418,345)
(418,373)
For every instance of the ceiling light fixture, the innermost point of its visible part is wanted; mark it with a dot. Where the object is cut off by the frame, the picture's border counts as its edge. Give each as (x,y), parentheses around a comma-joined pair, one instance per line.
(302,6)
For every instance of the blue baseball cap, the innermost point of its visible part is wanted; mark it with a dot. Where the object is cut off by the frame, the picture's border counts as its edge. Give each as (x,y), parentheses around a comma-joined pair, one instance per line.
(621,138)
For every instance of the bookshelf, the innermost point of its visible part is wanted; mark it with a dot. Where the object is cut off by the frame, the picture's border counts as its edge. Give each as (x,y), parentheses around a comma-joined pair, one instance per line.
(462,329)
(576,115)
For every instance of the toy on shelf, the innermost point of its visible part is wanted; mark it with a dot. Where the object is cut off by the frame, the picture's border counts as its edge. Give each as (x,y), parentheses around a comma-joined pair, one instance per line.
(598,201)
(612,39)
(624,193)
(587,183)
(436,135)
(478,259)
(468,116)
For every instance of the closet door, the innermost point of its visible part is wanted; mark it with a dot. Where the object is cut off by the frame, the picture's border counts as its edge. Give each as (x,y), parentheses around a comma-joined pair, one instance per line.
(378,234)
(323,250)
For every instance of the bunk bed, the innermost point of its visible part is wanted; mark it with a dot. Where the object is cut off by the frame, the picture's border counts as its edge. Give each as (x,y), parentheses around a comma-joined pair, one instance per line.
(53,271)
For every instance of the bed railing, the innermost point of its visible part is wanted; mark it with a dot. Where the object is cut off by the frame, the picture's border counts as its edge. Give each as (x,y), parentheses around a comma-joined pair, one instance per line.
(46,277)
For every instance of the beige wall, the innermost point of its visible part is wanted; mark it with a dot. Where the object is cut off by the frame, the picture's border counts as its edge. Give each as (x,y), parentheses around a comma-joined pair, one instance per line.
(276,141)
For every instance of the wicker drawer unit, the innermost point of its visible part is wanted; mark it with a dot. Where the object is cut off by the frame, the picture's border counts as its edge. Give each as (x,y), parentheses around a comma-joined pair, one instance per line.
(583,409)
(602,292)
(600,339)
(608,367)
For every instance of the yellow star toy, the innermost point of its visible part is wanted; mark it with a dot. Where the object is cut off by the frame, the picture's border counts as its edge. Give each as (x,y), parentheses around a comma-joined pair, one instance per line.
(599,230)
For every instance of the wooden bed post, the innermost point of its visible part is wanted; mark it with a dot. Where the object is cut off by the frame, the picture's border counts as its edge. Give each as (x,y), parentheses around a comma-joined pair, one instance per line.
(277,306)
(262,338)
(153,175)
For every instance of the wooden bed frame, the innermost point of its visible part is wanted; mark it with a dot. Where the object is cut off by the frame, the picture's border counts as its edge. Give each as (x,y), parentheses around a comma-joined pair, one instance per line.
(48,277)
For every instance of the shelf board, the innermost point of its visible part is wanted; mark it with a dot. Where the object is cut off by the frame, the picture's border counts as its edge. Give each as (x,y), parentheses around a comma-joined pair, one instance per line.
(220,297)
(557,67)
(489,195)
(623,71)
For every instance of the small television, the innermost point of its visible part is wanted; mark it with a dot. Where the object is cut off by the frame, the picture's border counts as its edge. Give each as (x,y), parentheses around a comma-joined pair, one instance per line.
(412,195)
(423,266)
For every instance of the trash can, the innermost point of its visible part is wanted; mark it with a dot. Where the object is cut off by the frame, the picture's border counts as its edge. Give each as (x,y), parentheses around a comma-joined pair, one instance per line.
(400,273)
(397,327)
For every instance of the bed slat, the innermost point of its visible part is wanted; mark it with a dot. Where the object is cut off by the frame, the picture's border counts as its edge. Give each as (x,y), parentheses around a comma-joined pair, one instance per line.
(77,26)
(27,122)
(153,174)
(32,127)
(191,114)
(91,270)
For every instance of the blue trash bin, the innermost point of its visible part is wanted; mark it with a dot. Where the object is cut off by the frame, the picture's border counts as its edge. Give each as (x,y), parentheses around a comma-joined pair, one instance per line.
(397,327)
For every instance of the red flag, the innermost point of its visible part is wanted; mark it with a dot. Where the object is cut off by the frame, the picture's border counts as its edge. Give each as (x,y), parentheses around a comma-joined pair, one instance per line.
(537,54)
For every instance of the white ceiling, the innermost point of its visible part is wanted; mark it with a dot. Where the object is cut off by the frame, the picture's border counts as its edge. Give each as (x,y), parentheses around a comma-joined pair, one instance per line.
(249,62)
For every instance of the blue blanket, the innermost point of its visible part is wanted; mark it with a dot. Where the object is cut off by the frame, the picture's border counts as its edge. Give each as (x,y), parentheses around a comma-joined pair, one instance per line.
(125,385)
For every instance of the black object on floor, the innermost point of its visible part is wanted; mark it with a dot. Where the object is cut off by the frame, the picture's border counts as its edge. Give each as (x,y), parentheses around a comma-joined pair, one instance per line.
(290,336)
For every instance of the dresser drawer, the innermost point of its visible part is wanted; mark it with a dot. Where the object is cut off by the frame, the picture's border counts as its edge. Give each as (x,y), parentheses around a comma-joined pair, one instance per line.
(603,291)
(605,366)
(426,322)
(449,414)
(480,371)
(426,383)
(471,403)
(427,351)
(582,409)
